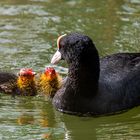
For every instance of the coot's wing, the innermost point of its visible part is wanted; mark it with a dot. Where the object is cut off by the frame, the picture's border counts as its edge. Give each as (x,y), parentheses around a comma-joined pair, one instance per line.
(117,67)
(119,82)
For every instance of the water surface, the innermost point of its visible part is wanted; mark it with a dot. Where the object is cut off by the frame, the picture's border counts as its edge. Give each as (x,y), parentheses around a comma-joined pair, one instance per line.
(28,33)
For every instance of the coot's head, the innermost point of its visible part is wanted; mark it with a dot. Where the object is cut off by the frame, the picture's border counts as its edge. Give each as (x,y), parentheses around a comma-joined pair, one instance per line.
(26,72)
(74,47)
(26,82)
(50,73)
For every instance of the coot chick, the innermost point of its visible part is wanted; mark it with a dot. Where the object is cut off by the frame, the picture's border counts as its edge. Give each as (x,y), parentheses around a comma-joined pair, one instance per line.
(23,84)
(96,86)
(49,82)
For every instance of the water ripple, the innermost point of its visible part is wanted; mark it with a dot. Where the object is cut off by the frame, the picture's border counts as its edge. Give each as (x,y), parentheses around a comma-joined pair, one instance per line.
(22,10)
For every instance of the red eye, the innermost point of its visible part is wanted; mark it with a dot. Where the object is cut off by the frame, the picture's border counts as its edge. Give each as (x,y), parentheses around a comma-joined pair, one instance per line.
(58,40)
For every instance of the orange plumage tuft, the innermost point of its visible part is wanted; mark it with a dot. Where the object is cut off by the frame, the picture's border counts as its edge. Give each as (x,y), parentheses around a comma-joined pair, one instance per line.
(26,82)
(49,82)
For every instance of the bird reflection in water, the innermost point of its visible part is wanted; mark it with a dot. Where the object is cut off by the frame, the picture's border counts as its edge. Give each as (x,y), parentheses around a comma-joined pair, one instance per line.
(25,119)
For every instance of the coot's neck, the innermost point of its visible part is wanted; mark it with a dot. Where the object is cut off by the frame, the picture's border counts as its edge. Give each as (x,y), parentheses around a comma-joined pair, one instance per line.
(83,75)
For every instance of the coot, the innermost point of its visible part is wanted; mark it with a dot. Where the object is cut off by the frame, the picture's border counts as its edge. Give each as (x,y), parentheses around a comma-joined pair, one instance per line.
(49,82)
(96,86)
(23,84)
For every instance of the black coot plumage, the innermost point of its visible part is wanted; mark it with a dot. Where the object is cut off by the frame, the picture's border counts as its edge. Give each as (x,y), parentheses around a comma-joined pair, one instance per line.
(96,86)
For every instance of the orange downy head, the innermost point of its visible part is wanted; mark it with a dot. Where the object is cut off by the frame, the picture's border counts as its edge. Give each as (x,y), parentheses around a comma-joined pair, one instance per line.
(27,72)
(49,82)
(26,78)
(50,73)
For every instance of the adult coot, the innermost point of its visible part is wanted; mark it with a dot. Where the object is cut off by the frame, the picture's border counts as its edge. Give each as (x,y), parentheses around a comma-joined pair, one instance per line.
(96,86)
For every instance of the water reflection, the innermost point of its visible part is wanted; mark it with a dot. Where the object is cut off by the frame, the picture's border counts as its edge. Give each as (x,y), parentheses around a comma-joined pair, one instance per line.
(25,119)
(122,126)
(40,116)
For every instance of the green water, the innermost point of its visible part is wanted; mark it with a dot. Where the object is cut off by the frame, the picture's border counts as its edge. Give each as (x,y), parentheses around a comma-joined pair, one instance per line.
(28,33)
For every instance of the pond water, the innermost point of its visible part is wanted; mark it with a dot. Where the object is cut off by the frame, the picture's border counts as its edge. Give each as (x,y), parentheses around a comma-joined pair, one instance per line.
(28,33)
